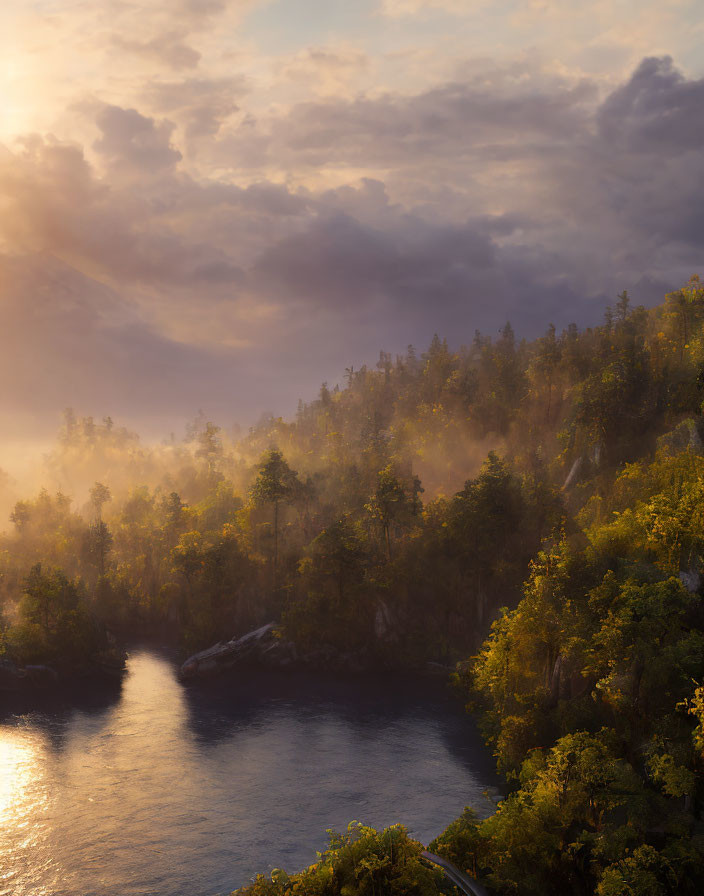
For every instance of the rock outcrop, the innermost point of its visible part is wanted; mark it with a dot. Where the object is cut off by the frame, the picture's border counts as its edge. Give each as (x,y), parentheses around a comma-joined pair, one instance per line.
(263,647)
(574,472)
(686,436)
(255,645)
(691,579)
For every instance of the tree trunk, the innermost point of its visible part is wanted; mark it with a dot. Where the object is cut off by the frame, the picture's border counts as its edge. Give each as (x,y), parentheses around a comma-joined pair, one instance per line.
(276,540)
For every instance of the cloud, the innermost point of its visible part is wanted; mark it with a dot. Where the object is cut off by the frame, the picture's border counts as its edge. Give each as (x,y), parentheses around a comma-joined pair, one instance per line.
(657,111)
(55,202)
(200,105)
(399,8)
(168,48)
(334,228)
(134,141)
(454,120)
(325,70)
(71,340)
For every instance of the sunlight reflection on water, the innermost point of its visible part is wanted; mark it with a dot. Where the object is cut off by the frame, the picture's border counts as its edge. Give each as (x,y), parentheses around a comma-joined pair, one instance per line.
(163,790)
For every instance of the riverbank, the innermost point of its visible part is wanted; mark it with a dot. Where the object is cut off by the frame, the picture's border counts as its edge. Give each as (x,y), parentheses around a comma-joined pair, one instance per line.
(16,678)
(176,788)
(264,647)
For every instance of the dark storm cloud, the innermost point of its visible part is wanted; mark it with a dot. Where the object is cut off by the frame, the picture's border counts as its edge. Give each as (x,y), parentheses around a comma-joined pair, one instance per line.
(607,198)
(424,277)
(649,158)
(657,111)
(339,261)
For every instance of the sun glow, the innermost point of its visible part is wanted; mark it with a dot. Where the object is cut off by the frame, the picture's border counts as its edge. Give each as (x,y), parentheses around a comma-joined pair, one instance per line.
(16,108)
(18,765)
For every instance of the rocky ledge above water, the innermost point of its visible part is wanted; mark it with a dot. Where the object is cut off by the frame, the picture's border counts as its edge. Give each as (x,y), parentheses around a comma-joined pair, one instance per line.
(265,647)
(254,646)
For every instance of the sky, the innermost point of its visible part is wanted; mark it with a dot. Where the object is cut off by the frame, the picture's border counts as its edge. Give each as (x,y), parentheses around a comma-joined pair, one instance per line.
(219,204)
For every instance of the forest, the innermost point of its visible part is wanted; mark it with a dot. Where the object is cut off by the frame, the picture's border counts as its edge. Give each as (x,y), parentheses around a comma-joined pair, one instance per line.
(526,515)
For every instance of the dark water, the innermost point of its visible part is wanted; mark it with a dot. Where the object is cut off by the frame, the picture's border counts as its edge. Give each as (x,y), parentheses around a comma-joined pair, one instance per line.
(161,789)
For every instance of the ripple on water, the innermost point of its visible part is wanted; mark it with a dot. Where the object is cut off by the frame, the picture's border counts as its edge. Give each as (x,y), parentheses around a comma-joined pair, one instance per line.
(176,791)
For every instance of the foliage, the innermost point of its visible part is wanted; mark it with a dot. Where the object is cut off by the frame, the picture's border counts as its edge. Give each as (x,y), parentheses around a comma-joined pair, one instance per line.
(557,553)
(55,625)
(362,862)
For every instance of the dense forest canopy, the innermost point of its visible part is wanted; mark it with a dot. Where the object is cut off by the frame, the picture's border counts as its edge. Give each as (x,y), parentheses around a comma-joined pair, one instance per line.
(529,511)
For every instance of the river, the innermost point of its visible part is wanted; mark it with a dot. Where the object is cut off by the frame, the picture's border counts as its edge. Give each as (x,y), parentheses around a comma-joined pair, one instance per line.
(164,790)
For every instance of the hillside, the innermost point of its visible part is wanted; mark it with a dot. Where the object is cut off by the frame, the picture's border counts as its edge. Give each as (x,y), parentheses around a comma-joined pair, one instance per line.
(543,498)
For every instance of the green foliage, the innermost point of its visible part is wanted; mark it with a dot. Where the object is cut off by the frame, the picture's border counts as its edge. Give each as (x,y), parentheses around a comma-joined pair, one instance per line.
(276,481)
(644,654)
(99,495)
(55,625)
(644,873)
(97,544)
(389,503)
(560,540)
(333,603)
(275,484)
(462,843)
(362,862)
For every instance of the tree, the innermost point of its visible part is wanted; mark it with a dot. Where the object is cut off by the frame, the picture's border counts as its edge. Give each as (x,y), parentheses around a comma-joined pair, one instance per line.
(55,626)
(544,365)
(213,567)
(684,307)
(361,862)
(47,598)
(172,509)
(388,503)
(99,495)
(484,521)
(644,652)
(276,484)
(461,842)
(337,555)
(643,873)
(623,306)
(69,429)
(187,556)
(21,515)
(210,446)
(98,543)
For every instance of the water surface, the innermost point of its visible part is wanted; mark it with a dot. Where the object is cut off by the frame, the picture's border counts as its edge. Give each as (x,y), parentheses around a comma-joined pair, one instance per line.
(161,790)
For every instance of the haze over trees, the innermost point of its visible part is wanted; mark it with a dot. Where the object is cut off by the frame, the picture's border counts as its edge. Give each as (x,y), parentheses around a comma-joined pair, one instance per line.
(529,511)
